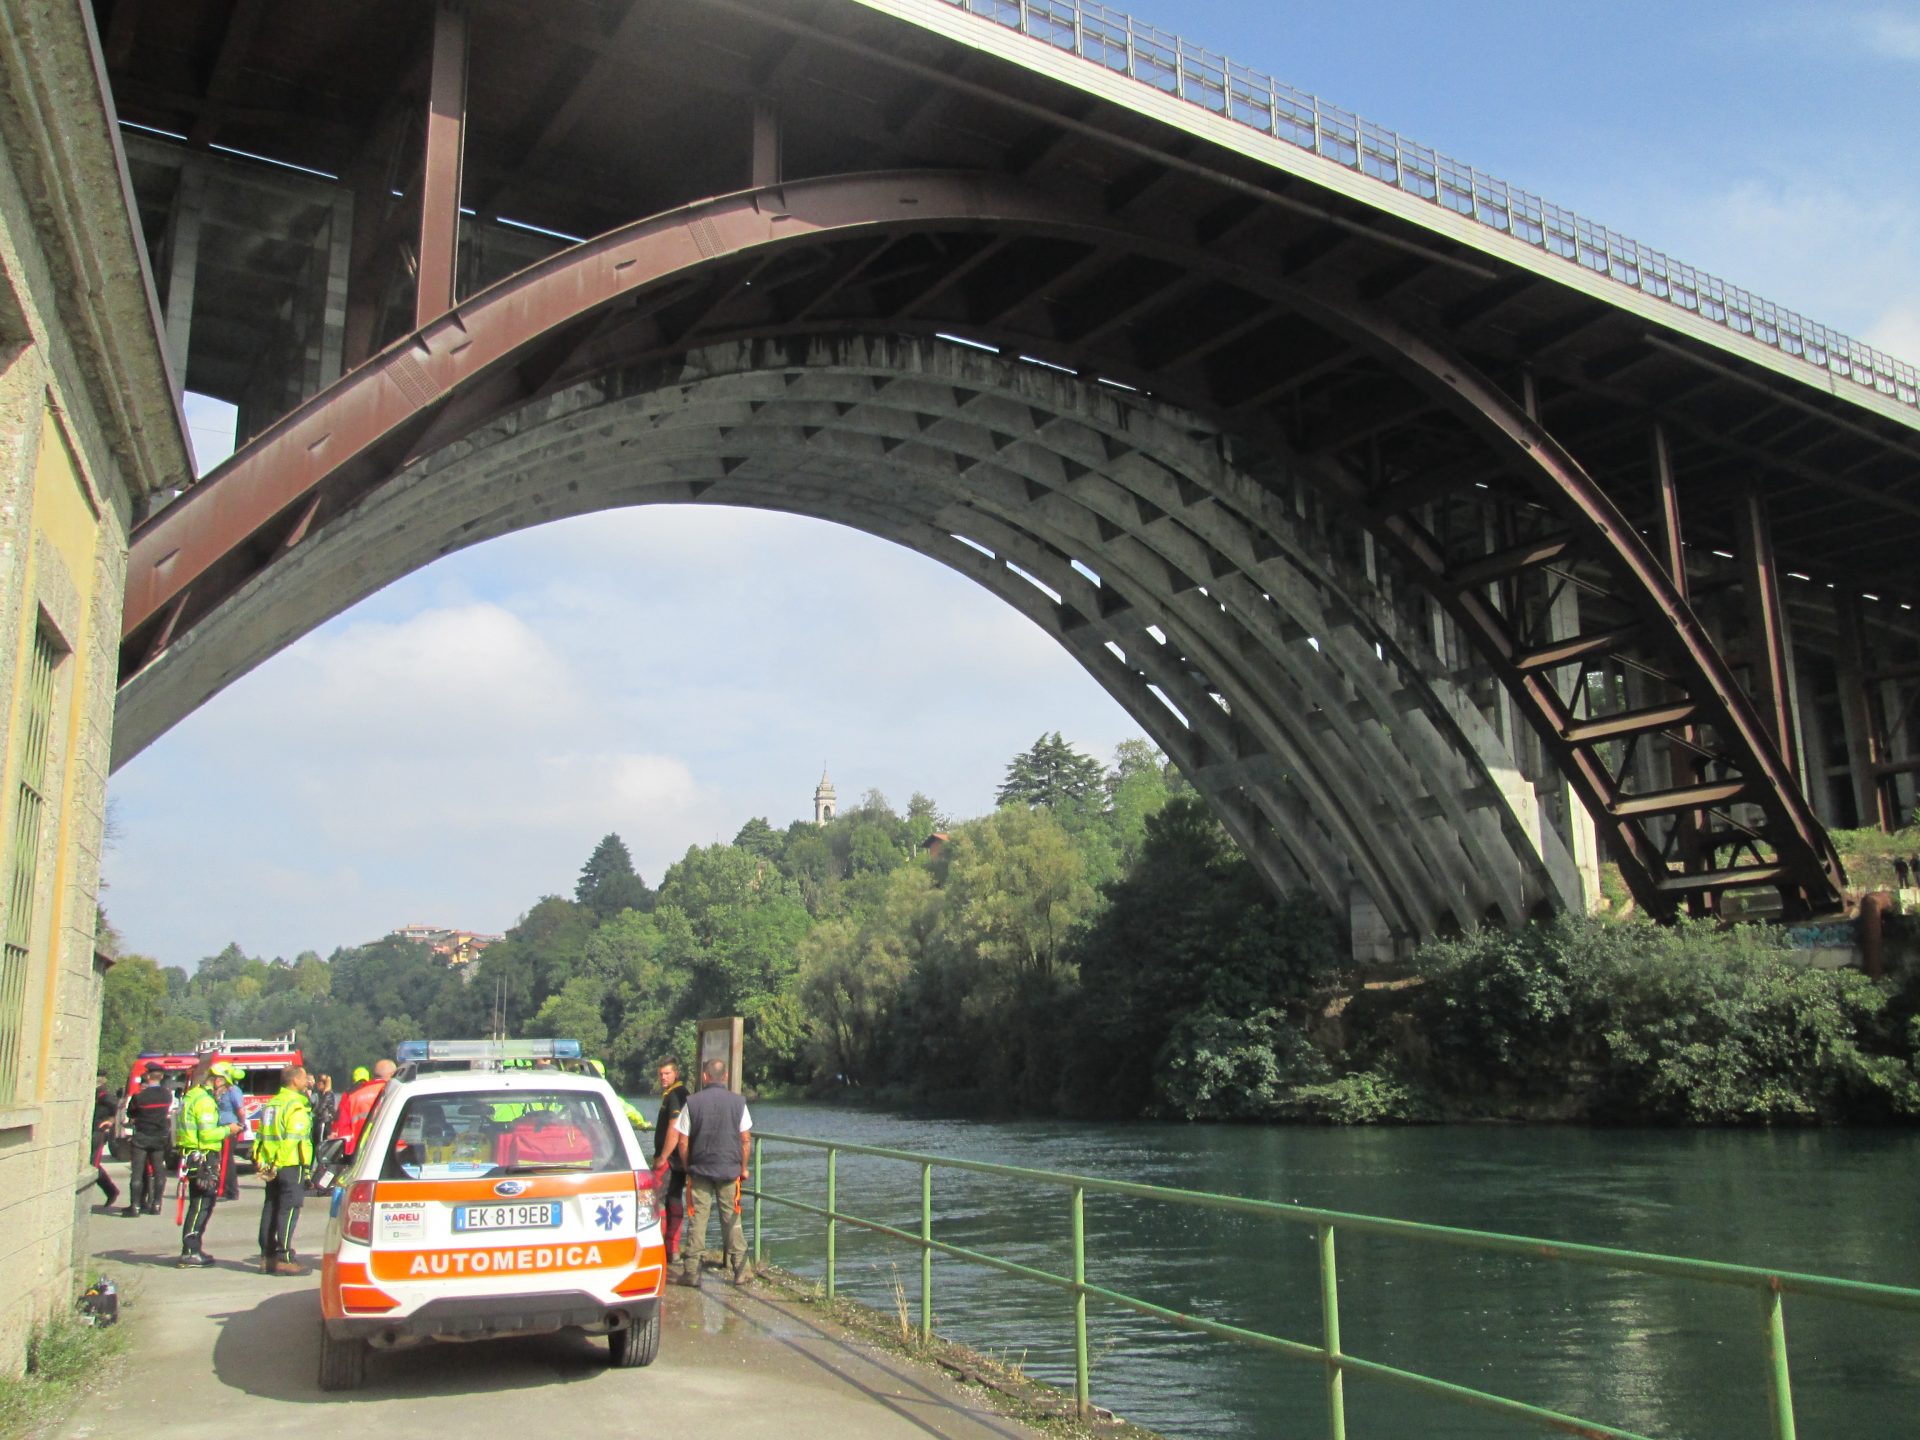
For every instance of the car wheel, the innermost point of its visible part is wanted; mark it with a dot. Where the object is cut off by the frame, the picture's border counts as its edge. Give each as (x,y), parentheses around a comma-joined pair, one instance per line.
(343,1362)
(636,1345)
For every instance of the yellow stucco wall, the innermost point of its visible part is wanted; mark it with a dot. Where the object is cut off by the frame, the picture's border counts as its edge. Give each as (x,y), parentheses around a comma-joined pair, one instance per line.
(64,532)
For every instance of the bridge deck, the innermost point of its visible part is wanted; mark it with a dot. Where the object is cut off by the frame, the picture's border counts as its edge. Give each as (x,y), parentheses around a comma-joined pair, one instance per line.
(233,1348)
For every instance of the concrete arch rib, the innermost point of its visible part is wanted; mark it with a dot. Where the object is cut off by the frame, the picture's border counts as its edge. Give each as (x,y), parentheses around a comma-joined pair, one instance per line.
(607,300)
(1297,759)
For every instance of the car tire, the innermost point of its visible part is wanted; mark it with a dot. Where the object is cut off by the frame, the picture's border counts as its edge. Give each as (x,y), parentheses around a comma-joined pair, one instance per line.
(343,1362)
(636,1345)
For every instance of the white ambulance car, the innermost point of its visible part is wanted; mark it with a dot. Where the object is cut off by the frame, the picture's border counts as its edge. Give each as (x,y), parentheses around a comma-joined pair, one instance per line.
(493,1193)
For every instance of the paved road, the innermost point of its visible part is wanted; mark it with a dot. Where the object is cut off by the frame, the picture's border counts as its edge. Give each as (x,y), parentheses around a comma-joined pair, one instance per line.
(230,1351)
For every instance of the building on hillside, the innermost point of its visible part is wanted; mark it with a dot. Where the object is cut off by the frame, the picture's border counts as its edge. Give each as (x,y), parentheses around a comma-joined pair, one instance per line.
(824,804)
(90,436)
(456,947)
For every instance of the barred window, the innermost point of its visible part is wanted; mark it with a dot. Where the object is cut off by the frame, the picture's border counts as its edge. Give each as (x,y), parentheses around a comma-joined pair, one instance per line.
(31,802)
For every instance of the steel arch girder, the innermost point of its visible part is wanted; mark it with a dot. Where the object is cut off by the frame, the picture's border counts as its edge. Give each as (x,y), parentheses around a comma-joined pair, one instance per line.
(458,371)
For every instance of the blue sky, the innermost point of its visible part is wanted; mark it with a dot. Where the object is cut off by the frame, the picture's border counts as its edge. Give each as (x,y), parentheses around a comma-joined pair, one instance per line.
(451,749)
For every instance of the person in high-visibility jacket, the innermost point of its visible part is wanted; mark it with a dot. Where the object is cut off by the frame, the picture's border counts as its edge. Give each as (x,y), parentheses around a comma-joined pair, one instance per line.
(634,1117)
(201,1139)
(282,1150)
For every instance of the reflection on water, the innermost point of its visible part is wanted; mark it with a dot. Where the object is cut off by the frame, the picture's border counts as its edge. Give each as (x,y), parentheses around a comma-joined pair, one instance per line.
(1663,1357)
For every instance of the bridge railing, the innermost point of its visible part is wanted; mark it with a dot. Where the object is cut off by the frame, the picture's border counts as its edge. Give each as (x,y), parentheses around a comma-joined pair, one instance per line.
(1769,1287)
(1117,42)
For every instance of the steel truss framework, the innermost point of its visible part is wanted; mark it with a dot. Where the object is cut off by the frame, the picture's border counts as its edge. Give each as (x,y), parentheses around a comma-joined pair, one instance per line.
(1498,526)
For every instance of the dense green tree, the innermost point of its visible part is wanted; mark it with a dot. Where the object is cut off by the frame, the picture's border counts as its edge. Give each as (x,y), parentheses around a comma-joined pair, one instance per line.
(608,882)
(923,818)
(1017,889)
(757,837)
(1051,774)
(574,1013)
(136,1014)
(1192,946)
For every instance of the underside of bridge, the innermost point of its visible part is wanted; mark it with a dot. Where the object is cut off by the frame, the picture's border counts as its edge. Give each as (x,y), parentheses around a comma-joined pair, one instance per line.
(1438,566)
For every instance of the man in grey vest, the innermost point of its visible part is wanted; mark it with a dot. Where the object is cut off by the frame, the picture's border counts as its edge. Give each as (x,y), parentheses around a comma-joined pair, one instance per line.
(713,1139)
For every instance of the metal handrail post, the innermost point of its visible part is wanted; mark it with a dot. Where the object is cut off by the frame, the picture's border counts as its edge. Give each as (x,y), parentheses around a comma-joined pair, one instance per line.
(1779,1383)
(759,1178)
(1082,1380)
(926,1251)
(1330,1337)
(833,1205)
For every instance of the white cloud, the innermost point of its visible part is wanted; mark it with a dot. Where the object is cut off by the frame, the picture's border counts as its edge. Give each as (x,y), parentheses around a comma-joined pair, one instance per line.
(1897,332)
(1889,34)
(453,748)
(1839,255)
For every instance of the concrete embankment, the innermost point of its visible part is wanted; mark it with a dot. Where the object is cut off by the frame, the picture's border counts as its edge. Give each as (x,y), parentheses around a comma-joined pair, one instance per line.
(233,1351)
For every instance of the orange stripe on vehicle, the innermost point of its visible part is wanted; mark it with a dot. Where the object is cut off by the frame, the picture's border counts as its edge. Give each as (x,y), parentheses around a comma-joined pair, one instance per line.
(644,1281)
(539,1187)
(503,1260)
(329,1291)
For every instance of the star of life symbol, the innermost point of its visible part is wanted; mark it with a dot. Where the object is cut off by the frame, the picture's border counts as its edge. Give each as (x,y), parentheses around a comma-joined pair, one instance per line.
(609,1215)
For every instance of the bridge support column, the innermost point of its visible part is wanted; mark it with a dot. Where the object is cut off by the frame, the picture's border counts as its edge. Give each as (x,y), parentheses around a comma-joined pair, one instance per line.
(440,179)
(1574,823)
(766,144)
(1767,627)
(331,349)
(1683,756)
(183,265)
(1864,750)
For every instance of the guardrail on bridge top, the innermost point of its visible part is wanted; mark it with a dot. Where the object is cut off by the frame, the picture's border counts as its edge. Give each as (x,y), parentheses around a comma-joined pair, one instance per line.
(1157,58)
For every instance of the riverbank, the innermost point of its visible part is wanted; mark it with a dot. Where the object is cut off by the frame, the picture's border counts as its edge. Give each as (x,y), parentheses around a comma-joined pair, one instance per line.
(998,1380)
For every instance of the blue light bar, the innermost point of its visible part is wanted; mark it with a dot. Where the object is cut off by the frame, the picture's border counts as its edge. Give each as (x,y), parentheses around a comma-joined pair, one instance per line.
(418,1051)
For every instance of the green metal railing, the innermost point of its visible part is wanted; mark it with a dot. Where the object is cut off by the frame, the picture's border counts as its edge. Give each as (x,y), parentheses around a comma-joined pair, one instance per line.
(1770,1287)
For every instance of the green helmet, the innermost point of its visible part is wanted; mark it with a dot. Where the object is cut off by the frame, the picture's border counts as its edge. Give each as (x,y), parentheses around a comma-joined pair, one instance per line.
(360,1072)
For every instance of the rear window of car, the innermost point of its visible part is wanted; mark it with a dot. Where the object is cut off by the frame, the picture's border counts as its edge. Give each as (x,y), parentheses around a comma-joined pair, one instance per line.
(503,1132)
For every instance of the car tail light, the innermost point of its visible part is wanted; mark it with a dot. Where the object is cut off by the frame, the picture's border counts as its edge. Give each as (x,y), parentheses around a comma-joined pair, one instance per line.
(647,1195)
(360,1212)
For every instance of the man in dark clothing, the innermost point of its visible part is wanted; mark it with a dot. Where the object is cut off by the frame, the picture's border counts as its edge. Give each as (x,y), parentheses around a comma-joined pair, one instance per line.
(714,1140)
(325,1103)
(668,1175)
(150,1114)
(105,1104)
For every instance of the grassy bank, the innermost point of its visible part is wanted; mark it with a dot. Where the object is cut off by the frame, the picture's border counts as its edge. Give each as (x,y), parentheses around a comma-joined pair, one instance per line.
(65,1358)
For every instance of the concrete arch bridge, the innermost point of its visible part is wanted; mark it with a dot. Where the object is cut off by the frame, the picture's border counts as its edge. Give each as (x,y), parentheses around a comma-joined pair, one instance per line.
(1443,549)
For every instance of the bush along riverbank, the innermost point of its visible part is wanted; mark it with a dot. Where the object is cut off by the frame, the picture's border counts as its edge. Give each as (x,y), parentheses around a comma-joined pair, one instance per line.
(1580,1019)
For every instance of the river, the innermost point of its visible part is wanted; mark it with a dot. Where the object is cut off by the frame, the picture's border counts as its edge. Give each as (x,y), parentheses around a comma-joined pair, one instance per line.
(1662,1357)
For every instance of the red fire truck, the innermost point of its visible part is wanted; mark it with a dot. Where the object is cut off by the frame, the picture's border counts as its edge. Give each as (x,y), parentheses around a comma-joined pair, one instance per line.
(259,1061)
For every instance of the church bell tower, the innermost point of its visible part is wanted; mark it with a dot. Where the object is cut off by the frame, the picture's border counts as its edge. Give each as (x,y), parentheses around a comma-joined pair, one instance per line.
(823,801)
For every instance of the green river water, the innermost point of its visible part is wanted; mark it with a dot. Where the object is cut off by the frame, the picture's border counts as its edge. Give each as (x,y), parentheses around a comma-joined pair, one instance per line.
(1662,1357)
